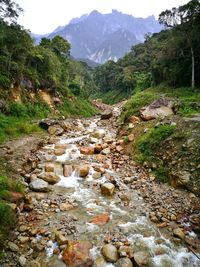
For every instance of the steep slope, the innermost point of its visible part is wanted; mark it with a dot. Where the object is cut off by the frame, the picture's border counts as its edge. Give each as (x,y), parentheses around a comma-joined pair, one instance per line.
(113,47)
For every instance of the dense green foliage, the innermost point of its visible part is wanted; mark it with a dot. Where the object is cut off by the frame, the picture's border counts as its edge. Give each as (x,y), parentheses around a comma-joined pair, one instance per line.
(171,56)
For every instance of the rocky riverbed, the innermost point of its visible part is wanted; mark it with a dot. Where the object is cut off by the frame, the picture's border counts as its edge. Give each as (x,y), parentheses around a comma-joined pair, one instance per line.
(88,204)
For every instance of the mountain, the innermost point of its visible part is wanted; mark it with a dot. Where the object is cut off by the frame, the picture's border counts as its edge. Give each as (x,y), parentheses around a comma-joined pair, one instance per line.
(100,37)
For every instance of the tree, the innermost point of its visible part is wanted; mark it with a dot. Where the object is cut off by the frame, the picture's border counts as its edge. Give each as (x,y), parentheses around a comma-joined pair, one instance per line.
(9,10)
(185,19)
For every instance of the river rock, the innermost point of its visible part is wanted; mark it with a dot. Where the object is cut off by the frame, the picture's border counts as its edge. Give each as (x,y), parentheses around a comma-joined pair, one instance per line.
(82,170)
(60,238)
(110,253)
(141,258)
(107,189)
(106,151)
(179,233)
(124,262)
(77,253)
(96,175)
(13,247)
(22,261)
(39,185)
(100,219)
(55,130)
(49,167)
(54,262)
(107,114)
(100,262)
(87,150)
(66,206)
(49,177)
(59,151)
(99,133)
(158,109)
(67,170)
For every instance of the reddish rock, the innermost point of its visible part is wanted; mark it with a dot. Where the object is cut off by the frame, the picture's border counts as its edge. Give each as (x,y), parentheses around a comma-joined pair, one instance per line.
(119,148)
(87,150)
(14,197)
(77,253)
(100,219)
(67,170)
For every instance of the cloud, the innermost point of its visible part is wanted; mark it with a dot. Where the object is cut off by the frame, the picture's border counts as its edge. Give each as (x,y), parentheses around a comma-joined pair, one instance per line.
(43,16)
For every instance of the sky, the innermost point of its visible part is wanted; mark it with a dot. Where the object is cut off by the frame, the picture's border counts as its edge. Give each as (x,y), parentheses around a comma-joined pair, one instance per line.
(44,16)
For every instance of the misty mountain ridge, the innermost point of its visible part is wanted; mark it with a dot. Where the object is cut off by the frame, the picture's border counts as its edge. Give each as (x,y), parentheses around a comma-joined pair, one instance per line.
(102,37)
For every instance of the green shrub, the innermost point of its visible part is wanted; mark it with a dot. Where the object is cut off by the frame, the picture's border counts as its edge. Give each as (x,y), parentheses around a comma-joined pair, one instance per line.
(162,173)
(7,221)
(147,144)
(9,184)
(17,110)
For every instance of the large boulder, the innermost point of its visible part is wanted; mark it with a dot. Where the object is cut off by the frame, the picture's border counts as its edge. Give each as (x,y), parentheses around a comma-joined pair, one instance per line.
(39,185)
(107,114)
(45,123)
(110,253)
(49,177)
(158,109)
(77,253)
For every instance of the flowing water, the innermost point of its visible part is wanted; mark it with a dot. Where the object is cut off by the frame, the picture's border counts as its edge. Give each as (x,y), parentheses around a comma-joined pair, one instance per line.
(130,221)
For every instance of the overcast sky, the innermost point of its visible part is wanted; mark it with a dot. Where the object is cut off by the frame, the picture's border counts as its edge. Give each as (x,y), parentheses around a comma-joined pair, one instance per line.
(43,16)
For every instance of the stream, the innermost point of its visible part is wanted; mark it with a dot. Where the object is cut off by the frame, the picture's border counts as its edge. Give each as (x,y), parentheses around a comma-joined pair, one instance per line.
(127,220)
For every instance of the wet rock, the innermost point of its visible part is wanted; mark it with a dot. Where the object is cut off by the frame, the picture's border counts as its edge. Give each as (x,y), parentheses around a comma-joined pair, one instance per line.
(39,185)
(124,262)
(87,150)
(100,219)
(158,109)
(49,177)
(96,175)
(98,148)
(93,140)
(179,233)
(77,253)
(60,238)
(59,151)
(55,130)
(107,114)
(13,247)
(99,134)
(82,170)
(141,258)
(22,261)
(65,206)
(110,253)
(107,189)
(67,170)
(49,167)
